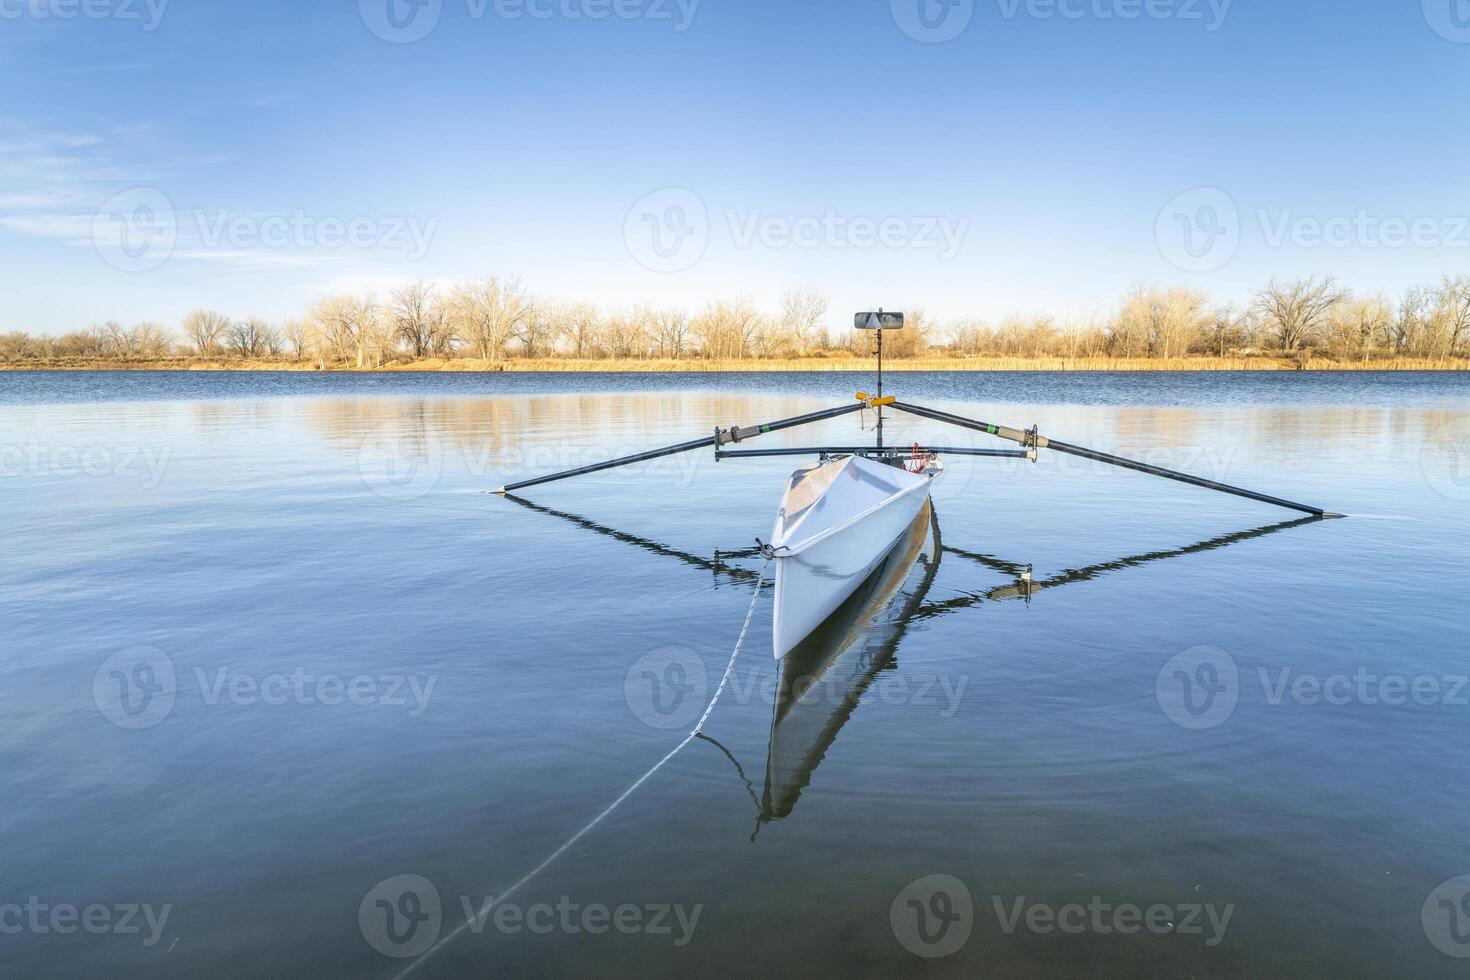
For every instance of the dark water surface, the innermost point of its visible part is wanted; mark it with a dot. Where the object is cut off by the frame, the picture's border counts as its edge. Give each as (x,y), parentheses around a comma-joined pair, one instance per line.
(1021,387)
(265,649)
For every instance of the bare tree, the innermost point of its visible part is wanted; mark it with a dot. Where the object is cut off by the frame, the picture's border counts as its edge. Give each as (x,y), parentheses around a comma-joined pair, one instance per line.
(727,330)
(1164,323)
(626,333)
(1179,317)
(1041,336)
(294,338)
(581,325)
(1222,331)
(913,339)
(1407,330)
(1452,314)
(15,346)
(1355,327)
(709,330)
(1090,339)
(149,340)
(488,313)
(271,341)
(672,328)
(205,331)
(491,315)
(1296,311)
(444,335)
(347,330)
(376,338)
(1252,330)
(747,323)
(417,318)
(802,317)
(1130,329)
(969,337)
(42,348)
(248,338)
(90,342)
(117,341)
(142,341)
(771,338)
(537,329)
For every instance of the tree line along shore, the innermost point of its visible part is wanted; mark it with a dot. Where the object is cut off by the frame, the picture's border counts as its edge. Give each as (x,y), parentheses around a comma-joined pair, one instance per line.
(495,324)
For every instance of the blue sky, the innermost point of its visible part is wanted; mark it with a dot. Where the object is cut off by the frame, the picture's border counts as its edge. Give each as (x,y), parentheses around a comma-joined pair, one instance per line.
(1035,160)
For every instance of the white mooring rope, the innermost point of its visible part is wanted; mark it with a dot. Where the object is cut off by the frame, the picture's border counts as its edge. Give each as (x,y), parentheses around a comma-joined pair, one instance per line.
(484,913)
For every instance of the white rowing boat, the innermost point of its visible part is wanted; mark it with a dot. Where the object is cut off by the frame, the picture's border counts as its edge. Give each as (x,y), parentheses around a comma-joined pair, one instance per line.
(838,520)
(824,677)
(840,517)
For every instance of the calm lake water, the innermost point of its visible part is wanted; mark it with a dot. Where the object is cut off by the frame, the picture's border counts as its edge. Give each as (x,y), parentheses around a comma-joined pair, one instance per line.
(286,693)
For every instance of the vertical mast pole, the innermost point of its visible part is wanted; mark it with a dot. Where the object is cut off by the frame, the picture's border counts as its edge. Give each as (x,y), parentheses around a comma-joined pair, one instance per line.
(880,382)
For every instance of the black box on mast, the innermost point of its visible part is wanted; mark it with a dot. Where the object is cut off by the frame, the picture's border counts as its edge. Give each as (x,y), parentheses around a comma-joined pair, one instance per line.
(878,321)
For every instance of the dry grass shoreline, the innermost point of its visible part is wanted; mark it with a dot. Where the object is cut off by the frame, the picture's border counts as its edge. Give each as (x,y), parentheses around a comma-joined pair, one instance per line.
(856,364)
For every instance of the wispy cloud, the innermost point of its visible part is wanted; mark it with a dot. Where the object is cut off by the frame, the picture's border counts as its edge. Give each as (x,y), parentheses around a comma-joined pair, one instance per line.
(39,156)
(75,229)
(251,259)
(48,142)
(40,200)
(103,191)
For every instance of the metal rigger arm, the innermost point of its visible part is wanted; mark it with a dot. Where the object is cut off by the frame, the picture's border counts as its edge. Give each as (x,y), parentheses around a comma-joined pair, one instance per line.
(1033,441)
(1030,440)
(721,437)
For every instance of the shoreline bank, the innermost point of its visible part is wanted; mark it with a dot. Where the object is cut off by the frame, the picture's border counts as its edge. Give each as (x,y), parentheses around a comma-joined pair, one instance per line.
(815,364)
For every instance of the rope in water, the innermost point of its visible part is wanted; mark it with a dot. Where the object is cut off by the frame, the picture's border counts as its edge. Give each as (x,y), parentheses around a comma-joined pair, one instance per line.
(484,913)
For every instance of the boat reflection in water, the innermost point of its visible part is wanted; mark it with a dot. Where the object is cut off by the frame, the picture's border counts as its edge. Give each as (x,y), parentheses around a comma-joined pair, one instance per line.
(823,679)
(824,676)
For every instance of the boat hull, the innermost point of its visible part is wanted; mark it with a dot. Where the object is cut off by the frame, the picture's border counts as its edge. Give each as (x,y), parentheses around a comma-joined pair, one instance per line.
(812,584)
(823,678)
